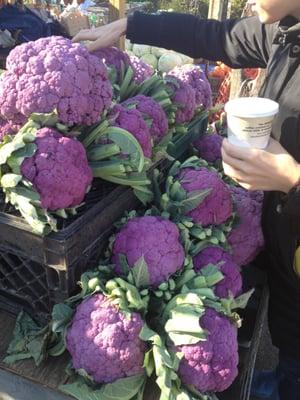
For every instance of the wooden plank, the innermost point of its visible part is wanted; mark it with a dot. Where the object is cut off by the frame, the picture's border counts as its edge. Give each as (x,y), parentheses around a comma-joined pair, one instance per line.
(14,387)
(50,373)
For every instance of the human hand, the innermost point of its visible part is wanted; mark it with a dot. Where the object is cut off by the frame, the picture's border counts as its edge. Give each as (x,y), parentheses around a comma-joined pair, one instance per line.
(103,36)
(272,168)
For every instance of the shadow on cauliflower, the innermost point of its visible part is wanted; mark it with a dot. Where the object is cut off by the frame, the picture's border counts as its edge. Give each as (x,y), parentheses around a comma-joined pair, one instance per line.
(154,112)
(216,208)
(183,96)
(211,365)
(195,77)
(156,240)
(104,342)
(53,73)
(209,147)
(113,58)
(58,170)
(232,282)
(246,239)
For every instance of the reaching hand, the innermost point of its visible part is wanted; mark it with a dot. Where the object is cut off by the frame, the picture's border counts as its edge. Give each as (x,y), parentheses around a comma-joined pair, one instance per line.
(272,168)
(104,36)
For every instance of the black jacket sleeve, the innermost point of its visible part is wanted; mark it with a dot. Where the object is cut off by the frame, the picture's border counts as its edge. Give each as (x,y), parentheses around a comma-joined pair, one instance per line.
(239,43)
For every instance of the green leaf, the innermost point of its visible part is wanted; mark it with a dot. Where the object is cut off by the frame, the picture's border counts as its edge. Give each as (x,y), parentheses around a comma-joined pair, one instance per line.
(194,199)
(183,326)
(149,362)
(61,316)
(10,180)
(49,119)
(141,273)
(143,193)
(122,389)
(128,145)
(29,341)
(16,159)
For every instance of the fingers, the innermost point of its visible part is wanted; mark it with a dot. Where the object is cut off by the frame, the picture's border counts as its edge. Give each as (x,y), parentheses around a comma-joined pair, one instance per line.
(242,153)
(231,160)
(85,34)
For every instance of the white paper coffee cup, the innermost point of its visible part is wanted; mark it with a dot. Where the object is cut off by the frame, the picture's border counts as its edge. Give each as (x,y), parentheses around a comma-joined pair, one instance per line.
(249,121)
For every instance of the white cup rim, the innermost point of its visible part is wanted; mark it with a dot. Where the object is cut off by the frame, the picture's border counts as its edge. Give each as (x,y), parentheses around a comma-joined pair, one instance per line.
(251,107)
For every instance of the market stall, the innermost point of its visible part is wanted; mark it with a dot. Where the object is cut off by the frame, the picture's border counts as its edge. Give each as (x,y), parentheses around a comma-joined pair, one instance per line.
(107,163)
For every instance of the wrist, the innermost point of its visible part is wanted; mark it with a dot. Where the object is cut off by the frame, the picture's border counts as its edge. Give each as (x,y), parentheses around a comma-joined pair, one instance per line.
(121,26)
(294,178)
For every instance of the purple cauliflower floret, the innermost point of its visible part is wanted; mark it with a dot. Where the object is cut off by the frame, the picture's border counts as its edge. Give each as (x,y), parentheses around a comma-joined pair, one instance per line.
(133,121)
(155,239)
(211,365)
(246,239)
(6,128)
(141,70)
(184,98)
(54,73)
(195,77)
(232,282)
(209,147)
(58,170)
(216,208)
(113,57)
(104,342)
(152,110)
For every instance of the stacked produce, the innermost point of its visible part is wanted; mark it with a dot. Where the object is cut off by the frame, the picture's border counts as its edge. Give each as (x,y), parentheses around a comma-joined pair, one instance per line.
(163,300)
(113,107)
(160,59)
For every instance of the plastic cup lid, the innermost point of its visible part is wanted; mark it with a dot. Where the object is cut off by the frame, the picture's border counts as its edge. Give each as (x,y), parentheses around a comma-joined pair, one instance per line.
(251,107)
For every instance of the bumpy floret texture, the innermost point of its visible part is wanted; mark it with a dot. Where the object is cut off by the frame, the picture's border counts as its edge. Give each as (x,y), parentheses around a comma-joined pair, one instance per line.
(209,147)
(184,98)
(6,128)
(246,239)
(194,76)
(113,57)
(153,111)
(53,73)
(132,120)
(232,282)
(58,170)
(155,239)
(141,70)
(103,342)
(216,208)
(211,365)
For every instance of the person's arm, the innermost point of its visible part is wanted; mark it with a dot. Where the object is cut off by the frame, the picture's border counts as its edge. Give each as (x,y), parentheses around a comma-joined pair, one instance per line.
(238,43)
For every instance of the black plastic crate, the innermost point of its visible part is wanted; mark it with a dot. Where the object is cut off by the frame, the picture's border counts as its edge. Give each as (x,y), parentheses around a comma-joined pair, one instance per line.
(36,272)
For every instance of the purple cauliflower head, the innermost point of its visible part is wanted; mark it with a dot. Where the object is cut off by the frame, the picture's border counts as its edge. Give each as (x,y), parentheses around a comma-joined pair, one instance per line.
(211,365)
(246,239)
(132,120)
(54,73)
(195,77)
(113,57)
(104,342)
(155,239)
(184,98)
(216,208)
(152,110)
(209,147)
(58,170)
(232,282)
(141,70)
